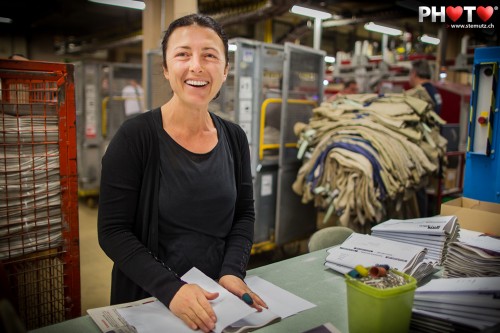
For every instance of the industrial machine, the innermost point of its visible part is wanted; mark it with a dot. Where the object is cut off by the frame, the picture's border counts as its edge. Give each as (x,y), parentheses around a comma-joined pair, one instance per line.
(482,166)
(269,89)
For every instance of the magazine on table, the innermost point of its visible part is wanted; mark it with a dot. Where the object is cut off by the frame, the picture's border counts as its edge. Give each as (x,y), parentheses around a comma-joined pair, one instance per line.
(434,225)
(461,304)
(233,315)
(367,250)
(434,233)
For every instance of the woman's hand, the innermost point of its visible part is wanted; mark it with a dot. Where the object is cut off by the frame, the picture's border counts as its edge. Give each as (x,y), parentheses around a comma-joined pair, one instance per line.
(191,304)
(236,286)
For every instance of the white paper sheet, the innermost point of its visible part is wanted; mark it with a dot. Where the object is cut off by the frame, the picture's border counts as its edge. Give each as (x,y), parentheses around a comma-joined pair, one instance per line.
(154,317)
(461,285)
(279,301)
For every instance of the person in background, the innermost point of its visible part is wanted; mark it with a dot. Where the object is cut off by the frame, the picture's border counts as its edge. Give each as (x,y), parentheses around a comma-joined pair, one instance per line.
(176,187)
(420,74)
(133,96)
(350,87)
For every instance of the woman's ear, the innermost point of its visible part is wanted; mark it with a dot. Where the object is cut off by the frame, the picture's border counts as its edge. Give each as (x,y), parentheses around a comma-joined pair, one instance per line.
(165,72)
(226,71)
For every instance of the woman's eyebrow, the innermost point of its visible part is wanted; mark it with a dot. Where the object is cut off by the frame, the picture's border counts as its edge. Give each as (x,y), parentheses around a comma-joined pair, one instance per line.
(186,47)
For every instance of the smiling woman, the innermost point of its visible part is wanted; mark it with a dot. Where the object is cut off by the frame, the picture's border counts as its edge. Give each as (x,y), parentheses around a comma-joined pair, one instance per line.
(194,57)
(176,186)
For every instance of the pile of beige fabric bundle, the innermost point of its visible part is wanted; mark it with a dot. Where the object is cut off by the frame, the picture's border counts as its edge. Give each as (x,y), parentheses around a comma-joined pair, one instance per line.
(363,152)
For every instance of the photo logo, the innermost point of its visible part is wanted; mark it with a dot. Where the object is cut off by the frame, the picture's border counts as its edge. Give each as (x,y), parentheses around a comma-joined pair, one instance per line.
(455,13)
(484,13)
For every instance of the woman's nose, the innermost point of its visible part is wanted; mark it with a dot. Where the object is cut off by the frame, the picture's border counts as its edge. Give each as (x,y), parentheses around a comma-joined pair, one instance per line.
(196,65)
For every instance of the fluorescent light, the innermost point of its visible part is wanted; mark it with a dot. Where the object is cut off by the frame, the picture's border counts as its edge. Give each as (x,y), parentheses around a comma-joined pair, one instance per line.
(325,82)
(317,14)
(123,3)
(382,29)
(339,22)
(330,59)
(5,20)
(232,47)
(429,40)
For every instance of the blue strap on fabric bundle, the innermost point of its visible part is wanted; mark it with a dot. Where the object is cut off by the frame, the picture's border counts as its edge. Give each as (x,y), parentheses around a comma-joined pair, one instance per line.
(377,168)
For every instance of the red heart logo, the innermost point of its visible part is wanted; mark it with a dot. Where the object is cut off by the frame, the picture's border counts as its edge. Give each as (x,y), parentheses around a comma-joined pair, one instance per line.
(484,13)
(454,13)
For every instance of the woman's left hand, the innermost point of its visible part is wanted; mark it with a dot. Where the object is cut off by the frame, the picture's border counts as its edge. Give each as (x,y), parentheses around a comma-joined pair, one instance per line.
(238,287)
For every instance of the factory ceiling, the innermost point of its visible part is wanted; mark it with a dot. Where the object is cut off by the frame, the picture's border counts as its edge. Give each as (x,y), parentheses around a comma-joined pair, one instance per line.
(80,25)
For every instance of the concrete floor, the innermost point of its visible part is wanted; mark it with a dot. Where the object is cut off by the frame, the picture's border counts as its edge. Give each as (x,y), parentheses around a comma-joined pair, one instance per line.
(95,266)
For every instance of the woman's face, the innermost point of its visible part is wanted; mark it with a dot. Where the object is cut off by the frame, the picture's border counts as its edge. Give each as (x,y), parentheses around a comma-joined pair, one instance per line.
(196,64)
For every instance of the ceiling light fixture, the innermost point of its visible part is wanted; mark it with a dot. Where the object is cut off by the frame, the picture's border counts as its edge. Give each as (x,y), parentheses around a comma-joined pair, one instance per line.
(314,13)
(329,59)
(429,40)
(339,22)
(5,20)
(318,16)
(123,3)
(382,29)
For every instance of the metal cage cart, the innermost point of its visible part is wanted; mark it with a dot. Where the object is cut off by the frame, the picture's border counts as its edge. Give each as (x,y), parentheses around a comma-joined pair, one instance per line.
(39,238)
(261,77)
(106,95)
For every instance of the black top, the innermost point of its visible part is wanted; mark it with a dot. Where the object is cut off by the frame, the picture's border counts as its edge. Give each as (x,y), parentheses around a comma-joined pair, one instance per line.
(128,228)
(196,207)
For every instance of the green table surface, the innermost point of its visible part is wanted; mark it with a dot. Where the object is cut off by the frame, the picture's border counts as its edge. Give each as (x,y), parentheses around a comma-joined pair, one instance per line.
(304,276)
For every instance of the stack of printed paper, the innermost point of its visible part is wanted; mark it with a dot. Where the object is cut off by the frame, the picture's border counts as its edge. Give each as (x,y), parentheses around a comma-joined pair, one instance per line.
(30,195)
(434,233)
(366,250)
(457,305)
(473,254)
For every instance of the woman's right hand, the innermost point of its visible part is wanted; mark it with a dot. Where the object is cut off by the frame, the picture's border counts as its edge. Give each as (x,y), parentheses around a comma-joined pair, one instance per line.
(191,304)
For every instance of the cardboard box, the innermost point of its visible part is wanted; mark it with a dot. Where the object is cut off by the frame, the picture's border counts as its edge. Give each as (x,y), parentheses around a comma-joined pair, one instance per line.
(474,214)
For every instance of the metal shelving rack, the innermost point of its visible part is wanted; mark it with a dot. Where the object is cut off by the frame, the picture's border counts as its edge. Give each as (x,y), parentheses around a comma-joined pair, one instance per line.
(39,238)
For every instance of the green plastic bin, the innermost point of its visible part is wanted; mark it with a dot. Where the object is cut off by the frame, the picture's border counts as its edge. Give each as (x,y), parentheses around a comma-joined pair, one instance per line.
(373,310)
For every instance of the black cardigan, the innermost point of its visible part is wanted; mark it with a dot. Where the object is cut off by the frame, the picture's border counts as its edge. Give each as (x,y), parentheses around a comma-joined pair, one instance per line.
(128,211)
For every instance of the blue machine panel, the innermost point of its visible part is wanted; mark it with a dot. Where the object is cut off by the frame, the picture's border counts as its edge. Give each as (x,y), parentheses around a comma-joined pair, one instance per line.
(482,166)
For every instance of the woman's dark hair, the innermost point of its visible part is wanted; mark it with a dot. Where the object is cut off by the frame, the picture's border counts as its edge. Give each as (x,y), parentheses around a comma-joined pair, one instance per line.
(194,19)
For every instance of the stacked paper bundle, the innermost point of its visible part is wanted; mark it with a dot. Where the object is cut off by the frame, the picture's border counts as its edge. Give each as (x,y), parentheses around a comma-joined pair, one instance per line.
(30,192)
(457,305)
(434,233)
(473,254)
(366,250)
